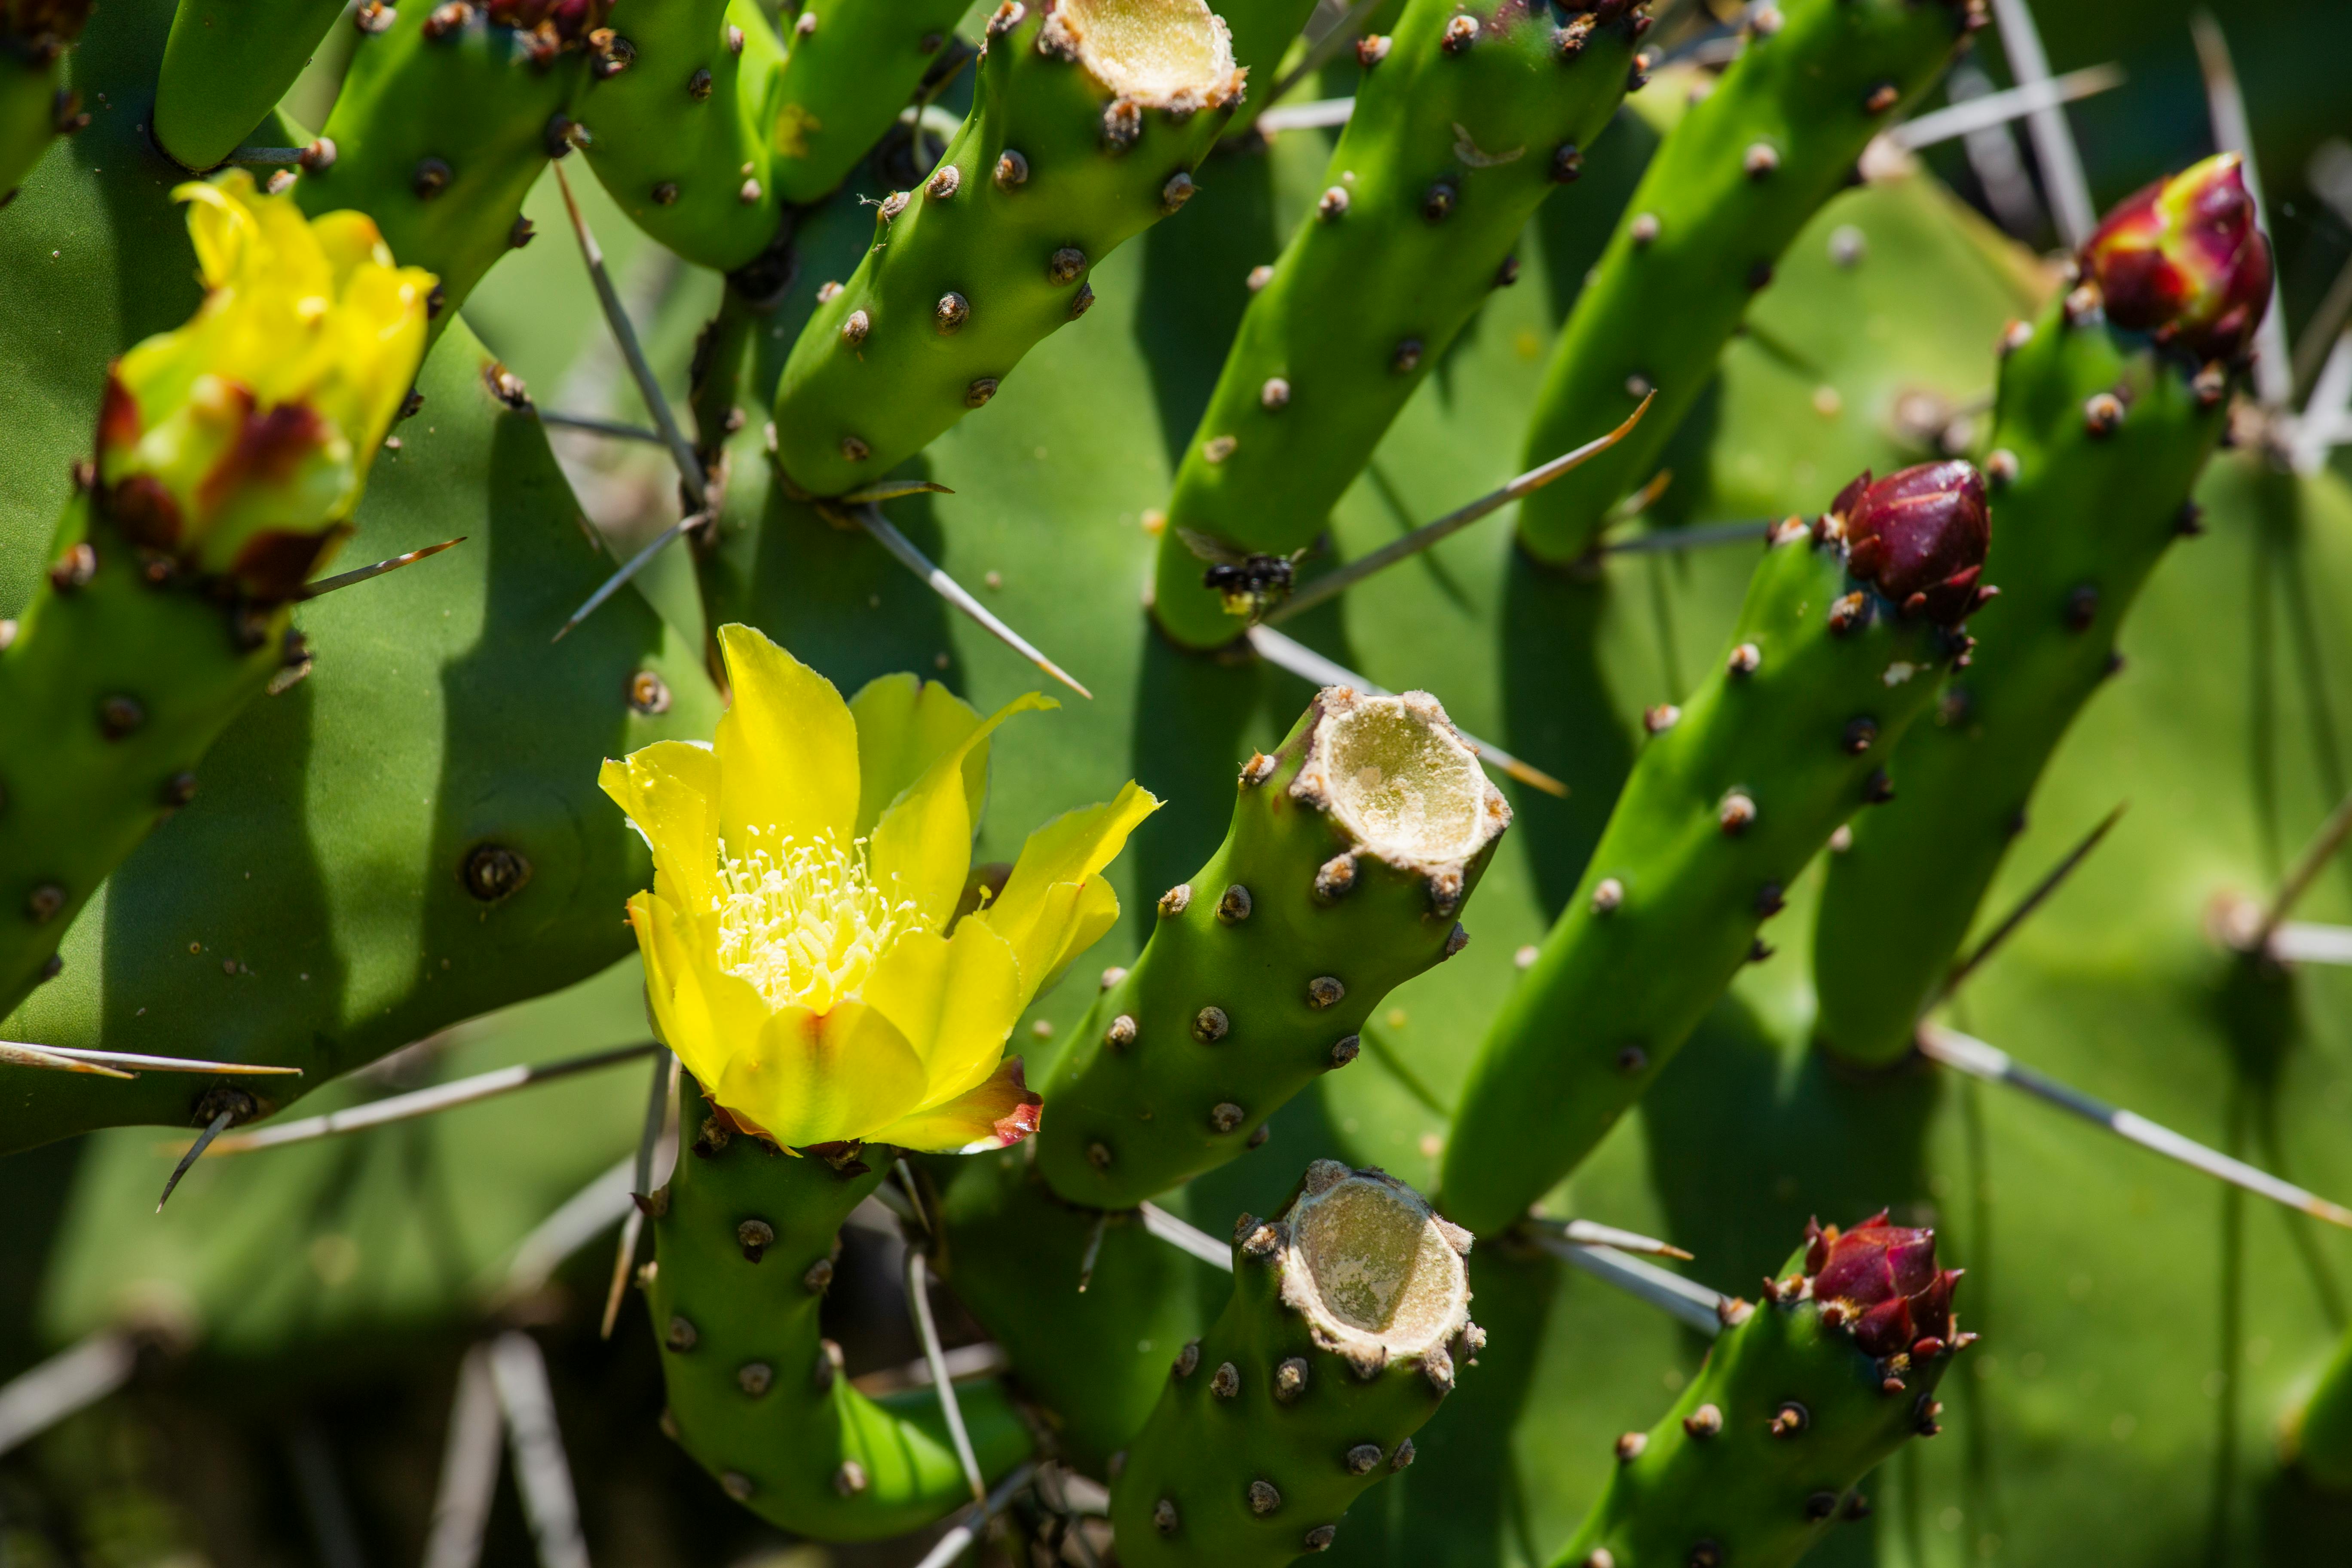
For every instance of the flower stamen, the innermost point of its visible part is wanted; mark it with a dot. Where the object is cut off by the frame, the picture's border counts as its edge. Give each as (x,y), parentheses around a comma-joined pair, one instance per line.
(805,921)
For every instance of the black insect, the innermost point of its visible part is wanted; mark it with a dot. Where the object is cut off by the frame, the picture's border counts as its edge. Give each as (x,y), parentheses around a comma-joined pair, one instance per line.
(1250,585)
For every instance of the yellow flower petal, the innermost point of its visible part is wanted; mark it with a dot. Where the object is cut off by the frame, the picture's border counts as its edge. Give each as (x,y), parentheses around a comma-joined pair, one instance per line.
(822,1078)
(996,1114)
(1072,849)
(670,790)
(954,998)
(787,748)
(922,846)
(904,725)
(1080,913)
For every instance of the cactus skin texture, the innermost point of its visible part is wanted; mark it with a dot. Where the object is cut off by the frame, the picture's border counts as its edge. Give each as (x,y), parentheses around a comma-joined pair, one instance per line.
(756,1396)
(1728,191)
(98,788)
(444,123)
(1800,1397)
(853,67)
(1262,969)
(1050,171)
(1472,117)
(678,109)
(1348,1317)
(1725,806)
(226,66)
(34,103)
(1093,1362)
(2088,504)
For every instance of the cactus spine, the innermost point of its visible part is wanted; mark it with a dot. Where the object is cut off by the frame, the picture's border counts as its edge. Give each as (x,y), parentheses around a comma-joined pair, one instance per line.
(678,113)
(1839,645)
(1351,852)
(852,68)
(1726,193)
(226,65)
(2099,434)
(1088,118)
(1348,1319)
(1800,1397)
(445,119)
(1467,119)
(744,1239)
(34,103)
(1092,1359)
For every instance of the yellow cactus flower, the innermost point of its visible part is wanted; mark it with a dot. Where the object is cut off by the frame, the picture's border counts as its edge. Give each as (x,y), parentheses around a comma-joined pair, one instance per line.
(239,443)
(803,953)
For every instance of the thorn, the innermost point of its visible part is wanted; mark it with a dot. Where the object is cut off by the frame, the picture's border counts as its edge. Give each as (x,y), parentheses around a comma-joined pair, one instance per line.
(628,569)
(892,489)
(326,586)
(919,1302)
(2308,865)
(213,1129)
(871,519)
(15,1055)
(1964,1053)
(1341,33)
(426,1101)
(613,428)
(1334,584)
(2033,899)
(624,335)
(1094,1250)
(1286,653)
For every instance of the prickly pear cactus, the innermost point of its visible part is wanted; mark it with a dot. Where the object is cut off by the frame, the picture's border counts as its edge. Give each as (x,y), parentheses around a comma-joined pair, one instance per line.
(927,364)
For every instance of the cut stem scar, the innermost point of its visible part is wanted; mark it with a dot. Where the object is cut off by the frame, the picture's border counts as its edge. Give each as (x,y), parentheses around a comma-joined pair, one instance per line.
(1332,584)
(1308,665)
(1966,1054)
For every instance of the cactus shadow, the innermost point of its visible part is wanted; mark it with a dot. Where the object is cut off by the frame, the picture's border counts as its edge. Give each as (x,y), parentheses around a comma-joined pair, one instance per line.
(1749,1135)
(1558,714)
(1197,718)
(835,597)
(1196,271)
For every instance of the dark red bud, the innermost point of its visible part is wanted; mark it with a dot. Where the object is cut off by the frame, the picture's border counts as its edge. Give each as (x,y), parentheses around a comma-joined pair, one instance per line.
(1884,1279)
(2184,260)
(1920,537)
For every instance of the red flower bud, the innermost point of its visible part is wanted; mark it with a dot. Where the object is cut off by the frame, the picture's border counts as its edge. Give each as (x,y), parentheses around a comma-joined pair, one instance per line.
(1882,1280)
(1920,537)
(2184,260)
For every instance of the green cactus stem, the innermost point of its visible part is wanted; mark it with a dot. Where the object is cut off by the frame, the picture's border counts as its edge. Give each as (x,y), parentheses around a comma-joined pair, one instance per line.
(445,119)
(1800,1397)
(35,105)
(1467,119)
(1728,191)
(1263,31)
(2108,408)
(678,109)
(744,1240)
(1351,853)
(1350,1318)
(1092,1359)
(1088,118)
(2318,1439)
(1840,643)
(853,67)
(99,749)
(226,65)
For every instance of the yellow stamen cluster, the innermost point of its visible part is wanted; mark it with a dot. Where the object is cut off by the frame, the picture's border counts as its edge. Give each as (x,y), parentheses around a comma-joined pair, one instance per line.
(805,922)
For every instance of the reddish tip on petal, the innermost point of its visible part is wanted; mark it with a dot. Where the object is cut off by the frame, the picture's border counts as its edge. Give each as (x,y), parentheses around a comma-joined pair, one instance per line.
(2185,259)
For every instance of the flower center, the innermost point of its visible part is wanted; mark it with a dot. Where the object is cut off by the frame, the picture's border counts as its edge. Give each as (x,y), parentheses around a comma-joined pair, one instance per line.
(805,922)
